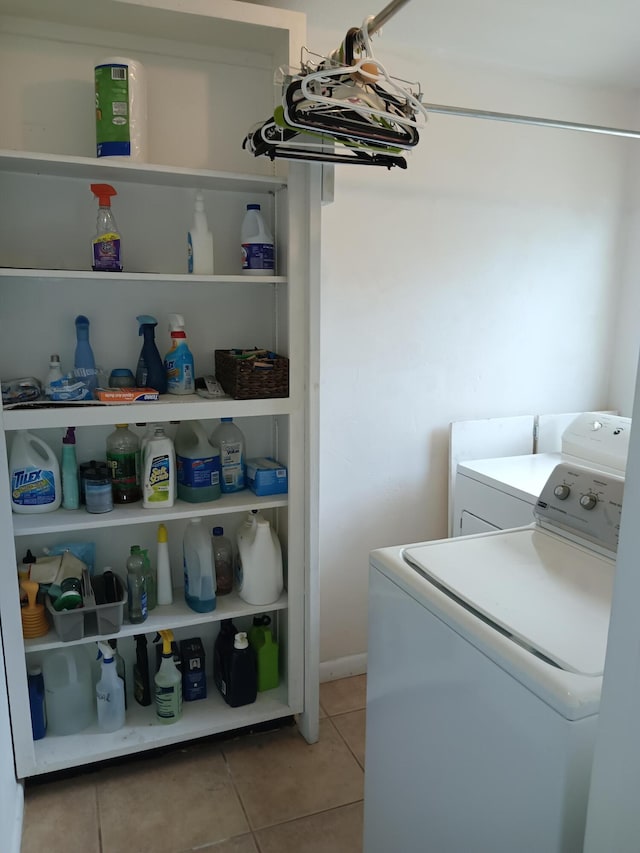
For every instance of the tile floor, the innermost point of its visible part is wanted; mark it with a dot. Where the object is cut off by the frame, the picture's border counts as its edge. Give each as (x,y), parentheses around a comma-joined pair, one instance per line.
(259,793)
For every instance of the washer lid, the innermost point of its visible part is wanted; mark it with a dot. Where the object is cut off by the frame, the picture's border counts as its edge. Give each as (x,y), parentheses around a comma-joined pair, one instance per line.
(550,595)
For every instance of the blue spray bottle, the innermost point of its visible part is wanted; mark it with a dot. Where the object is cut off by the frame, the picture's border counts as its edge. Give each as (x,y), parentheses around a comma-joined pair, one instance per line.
(84,363)
(150,372)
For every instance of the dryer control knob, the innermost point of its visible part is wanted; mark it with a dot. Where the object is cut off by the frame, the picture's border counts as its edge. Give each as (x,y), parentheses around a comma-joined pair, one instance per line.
(588,501)
(562,492)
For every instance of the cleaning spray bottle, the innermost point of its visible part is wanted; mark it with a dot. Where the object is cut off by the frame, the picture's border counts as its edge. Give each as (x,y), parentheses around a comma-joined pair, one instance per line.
(106,243)
(178,362)
(168,683)
(200,241)
(84,363)
(109,692)
(69,467)
(150,372)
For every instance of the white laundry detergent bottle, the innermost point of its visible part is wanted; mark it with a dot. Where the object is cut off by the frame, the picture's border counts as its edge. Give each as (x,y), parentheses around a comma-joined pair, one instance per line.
(259,567)
(35,475)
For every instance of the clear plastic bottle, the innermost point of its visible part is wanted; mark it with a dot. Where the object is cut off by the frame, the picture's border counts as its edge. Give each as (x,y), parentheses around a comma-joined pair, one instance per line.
(200,241)
(223,560)
(109,693)
(123,458)
(136,586)
(54,374)
(199,570)
(229,438)
(151,579)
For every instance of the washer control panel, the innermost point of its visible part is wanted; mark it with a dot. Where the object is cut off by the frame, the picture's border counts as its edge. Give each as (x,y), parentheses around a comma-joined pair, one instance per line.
(584,503)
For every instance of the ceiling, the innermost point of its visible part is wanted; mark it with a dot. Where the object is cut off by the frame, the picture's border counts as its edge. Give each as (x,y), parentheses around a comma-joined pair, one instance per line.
(590,40)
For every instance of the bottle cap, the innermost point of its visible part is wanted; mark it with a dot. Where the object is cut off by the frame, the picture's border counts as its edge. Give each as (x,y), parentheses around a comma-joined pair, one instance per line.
(240,641)
(70,437)
(54,359)
(253,207)
(162,533)
(218,531)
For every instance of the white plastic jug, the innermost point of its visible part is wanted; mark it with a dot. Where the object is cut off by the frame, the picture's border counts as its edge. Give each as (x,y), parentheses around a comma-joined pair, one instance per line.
(199,568)
(35,475)
(68,690)
(259,568)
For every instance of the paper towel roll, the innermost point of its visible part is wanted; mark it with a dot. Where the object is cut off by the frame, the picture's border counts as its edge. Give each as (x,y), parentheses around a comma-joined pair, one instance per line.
(121,109)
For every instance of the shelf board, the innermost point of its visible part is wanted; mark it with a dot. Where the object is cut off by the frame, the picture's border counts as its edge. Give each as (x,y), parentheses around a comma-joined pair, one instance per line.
(79,519)
(96,169)
(152,277)
(143,730)
(167,408)
(176,615)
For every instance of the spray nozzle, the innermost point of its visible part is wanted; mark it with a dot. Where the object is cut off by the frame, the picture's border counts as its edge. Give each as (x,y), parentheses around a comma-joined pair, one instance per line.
(105,652)
(103,193)
(167,639)
(176,325)
(70,437)
(145,320)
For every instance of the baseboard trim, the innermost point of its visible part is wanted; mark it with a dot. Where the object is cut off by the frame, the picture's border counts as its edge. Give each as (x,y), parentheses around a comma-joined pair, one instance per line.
(332,670)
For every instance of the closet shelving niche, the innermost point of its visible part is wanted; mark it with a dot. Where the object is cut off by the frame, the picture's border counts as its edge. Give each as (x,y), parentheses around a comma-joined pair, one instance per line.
(210,70)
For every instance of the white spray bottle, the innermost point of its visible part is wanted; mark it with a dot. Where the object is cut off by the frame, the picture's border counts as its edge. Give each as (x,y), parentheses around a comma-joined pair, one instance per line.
(109,692)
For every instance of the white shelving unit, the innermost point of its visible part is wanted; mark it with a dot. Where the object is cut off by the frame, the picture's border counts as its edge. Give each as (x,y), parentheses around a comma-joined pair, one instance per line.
(210,75)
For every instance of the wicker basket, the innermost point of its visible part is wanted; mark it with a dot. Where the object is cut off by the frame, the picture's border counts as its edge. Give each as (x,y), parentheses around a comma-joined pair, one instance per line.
(252,374)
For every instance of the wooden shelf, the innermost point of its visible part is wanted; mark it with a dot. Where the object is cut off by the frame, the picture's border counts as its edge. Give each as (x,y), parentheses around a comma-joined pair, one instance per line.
(63,520)
(176,615)
(143,730)
(95,169)
(91,277)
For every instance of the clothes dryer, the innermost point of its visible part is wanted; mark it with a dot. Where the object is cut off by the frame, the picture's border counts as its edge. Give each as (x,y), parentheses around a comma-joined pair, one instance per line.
(500,493)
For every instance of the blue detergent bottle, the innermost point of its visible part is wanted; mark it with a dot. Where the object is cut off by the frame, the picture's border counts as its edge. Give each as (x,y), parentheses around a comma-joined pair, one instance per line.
(150,372)
(84,363)
(178,362)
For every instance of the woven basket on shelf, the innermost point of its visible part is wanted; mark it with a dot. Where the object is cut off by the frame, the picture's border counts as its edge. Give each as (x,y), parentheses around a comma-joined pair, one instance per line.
(252,374)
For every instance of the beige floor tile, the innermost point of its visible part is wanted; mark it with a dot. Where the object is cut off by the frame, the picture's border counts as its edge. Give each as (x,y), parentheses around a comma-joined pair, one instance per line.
(61,817)
(352,727)
(241,844)
(335,831)
(168,803)
(346,694)
(281,777)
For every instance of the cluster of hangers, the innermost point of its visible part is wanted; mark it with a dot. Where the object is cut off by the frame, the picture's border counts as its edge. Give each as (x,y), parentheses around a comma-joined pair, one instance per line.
(344,108)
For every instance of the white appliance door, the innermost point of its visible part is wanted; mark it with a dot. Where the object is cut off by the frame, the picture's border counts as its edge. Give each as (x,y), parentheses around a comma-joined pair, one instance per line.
(549,595)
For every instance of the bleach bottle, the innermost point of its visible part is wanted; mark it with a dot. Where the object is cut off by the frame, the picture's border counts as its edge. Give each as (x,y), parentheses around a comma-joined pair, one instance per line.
(109,692)
(178,362)
(198,464)
(257,244)
(35,475)
(259,567)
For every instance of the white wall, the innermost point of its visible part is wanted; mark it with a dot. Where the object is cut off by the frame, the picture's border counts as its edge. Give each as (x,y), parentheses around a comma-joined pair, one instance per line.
(480,282)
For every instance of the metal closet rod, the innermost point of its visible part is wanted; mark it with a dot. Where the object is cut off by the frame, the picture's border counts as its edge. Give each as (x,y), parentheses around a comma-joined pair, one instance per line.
(535,120)
(394,6)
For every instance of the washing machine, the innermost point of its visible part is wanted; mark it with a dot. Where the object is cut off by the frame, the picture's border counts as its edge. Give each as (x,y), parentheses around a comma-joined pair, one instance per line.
(500,493)
(485,662)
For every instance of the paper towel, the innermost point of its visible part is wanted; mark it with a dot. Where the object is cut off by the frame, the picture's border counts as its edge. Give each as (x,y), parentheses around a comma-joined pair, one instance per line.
(121,109)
